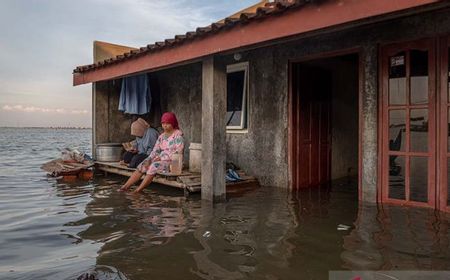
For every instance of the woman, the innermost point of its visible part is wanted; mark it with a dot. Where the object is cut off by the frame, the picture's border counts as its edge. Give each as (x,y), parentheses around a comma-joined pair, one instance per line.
(169,143)
(146,137)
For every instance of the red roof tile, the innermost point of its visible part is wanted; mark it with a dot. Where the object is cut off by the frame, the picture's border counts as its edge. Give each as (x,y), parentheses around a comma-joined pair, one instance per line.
(268,10)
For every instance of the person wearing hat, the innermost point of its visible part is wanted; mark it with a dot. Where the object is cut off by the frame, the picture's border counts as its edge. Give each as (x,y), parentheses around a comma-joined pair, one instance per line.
(170,142)
(146,137)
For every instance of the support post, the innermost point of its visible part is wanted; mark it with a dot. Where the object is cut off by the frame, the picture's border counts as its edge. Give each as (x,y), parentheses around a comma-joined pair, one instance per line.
(369,127)
(214,98)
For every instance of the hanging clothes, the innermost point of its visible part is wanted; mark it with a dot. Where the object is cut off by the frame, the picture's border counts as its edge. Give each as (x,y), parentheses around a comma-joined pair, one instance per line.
(135,96)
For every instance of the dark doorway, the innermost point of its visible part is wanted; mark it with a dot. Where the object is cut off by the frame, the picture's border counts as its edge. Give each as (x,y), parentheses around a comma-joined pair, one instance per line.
(324,120)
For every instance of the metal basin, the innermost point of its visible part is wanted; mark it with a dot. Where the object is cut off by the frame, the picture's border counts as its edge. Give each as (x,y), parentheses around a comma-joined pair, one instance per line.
(108,152)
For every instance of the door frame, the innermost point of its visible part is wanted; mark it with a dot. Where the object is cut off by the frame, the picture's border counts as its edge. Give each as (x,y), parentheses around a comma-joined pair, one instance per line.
(444,102)
(323,55)
(433,116)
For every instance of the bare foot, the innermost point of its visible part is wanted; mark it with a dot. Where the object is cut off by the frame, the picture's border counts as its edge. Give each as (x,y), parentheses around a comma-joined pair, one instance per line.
(124,189)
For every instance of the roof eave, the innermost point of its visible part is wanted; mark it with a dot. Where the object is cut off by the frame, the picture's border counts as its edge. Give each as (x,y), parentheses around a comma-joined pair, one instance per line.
(243,34)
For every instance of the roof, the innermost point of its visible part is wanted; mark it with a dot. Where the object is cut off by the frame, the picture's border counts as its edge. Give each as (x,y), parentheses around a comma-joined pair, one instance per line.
(268,9)
(271,21)
(251,9)
(105,50)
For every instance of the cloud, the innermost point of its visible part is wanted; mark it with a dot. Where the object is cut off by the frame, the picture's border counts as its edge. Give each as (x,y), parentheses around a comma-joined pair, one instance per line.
(33,109)
(48,39)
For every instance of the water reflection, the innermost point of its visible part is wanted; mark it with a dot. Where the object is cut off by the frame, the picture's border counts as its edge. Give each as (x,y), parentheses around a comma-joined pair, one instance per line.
(266,234)
(396,238)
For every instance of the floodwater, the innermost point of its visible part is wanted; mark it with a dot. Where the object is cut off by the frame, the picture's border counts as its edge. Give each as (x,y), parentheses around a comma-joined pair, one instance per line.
(59,230)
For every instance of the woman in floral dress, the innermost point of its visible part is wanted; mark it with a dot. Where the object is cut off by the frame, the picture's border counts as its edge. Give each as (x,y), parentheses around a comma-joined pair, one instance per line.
(169,143)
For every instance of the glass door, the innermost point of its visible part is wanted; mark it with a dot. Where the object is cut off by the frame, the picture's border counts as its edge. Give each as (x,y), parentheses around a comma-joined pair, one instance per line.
(408,123)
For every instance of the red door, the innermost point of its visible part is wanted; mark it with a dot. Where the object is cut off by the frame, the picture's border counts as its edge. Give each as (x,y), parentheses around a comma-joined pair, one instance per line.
(409,142)
(444,152)
(310,120)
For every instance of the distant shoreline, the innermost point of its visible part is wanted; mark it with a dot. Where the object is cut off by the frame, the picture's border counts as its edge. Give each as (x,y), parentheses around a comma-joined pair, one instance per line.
(46,127)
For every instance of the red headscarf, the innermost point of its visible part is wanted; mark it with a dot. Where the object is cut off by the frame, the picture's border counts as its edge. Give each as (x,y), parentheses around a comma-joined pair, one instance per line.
(170,117)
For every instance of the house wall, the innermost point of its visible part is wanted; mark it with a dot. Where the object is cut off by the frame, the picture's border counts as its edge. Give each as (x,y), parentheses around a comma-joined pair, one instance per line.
(109,125)
(181,93)
(262,150)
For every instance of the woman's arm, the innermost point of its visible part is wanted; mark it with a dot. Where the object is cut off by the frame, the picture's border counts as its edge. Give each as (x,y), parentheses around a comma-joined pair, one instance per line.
(156,150)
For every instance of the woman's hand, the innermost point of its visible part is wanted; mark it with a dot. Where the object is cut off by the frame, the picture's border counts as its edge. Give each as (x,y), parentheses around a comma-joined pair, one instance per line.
(146,163)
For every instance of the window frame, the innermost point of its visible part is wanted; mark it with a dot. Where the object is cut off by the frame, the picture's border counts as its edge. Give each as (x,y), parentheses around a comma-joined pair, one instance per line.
(237,67)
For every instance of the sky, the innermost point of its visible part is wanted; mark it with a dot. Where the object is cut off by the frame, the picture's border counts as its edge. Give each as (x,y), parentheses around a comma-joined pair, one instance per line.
(42,41)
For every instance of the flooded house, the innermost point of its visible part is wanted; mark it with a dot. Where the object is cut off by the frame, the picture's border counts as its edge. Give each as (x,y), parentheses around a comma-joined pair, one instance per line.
(300,93)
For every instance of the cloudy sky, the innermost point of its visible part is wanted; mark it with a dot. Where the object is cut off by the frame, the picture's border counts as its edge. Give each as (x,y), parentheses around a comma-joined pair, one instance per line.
(41,41)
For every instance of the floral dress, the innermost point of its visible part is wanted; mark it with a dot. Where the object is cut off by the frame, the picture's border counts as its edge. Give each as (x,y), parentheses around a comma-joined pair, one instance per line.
(164,148)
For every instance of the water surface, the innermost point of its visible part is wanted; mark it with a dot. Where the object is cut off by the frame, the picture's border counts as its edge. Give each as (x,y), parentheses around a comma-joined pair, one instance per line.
(53,229)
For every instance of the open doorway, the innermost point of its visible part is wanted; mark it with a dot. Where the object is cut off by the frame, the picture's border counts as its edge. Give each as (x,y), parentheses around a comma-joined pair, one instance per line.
(324,121)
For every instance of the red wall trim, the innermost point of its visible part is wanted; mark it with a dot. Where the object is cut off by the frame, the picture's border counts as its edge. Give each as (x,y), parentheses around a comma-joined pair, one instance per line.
(309,18)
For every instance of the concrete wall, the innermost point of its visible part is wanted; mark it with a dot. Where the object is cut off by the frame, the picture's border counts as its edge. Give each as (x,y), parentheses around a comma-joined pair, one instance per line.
(109,124)
(181,93)
(262,150)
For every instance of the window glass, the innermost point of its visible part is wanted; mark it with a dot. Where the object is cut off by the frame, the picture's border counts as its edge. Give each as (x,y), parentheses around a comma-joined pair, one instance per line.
(235,94)
(397,79)
(397,177)
(236,117)
(419,77)
(397,128)
(418,179)
(419,130)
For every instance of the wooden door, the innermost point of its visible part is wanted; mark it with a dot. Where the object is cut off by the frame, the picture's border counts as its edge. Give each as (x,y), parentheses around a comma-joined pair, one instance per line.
(408,73)
(310,120)
(444,151)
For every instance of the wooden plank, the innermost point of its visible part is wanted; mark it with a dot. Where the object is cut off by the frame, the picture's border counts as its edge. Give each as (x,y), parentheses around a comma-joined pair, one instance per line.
(190,182)
(127,172)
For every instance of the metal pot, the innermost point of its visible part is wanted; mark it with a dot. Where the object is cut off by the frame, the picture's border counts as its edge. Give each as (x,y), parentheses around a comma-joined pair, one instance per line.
(108,152)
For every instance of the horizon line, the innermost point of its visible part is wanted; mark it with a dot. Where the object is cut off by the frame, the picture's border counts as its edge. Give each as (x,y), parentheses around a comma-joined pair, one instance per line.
(54,127)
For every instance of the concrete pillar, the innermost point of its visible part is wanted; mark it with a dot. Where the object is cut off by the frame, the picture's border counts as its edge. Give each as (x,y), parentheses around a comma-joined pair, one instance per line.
(100,114)
(214,98)
(369,124)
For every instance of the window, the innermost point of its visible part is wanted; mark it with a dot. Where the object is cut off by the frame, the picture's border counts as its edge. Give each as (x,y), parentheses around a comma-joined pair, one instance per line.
(237,94)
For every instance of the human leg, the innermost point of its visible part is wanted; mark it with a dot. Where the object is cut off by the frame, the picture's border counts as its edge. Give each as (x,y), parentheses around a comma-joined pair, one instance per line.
(134,178)
(145,183)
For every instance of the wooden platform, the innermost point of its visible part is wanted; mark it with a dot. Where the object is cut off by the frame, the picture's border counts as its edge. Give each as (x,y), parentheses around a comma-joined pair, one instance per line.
(187,181)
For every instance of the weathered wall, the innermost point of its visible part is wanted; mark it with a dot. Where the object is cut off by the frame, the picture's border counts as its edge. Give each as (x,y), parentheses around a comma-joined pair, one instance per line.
(262,151)
(181,93)
(110,124)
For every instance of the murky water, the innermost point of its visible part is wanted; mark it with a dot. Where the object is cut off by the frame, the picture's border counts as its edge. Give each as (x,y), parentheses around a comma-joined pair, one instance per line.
(59,230)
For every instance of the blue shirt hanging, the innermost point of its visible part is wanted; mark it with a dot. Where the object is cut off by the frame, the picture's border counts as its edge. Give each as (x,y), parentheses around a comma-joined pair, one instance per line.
(135,97)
